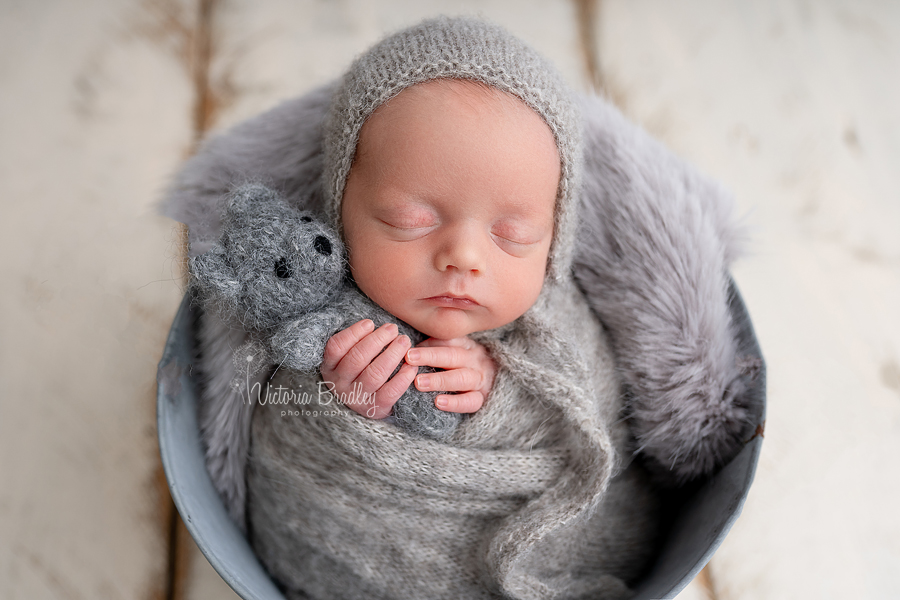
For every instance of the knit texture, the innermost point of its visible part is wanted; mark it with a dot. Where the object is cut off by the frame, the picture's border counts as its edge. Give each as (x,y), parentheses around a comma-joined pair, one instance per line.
(281,274)
(271,264)
(528,499)
(456,48)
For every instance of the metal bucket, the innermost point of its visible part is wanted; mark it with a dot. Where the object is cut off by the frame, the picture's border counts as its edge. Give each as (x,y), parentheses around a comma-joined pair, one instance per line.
(698,518)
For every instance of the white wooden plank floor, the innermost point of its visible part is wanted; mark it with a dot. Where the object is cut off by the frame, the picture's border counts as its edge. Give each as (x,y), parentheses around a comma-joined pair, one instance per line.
(93,118)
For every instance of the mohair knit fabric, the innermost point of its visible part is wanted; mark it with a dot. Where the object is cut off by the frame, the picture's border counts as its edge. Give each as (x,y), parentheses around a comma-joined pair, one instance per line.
(528,499)
(554,536)
(281,273)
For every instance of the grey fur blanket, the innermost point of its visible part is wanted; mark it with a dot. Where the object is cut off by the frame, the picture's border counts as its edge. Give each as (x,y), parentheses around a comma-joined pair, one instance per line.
(653,251)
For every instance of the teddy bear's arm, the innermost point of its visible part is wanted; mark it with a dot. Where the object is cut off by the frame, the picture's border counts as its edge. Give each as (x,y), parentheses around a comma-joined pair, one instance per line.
(300,344)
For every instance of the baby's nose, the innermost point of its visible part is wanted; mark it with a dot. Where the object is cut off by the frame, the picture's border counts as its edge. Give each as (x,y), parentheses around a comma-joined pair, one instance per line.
(461,252)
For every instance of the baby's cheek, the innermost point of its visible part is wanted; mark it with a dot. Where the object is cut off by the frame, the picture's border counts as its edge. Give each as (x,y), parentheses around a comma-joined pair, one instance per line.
(381,276)
(521,285)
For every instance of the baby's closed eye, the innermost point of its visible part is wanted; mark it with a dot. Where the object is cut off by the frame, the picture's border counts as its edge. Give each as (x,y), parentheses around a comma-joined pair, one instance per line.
(518,234)
(409,220)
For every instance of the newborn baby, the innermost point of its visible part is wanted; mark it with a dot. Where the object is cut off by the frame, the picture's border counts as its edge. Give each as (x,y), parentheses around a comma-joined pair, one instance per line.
(451,167)
(448,215)
(449,159)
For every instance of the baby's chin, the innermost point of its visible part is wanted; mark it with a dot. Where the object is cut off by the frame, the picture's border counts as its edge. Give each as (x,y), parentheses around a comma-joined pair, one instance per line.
(451,324)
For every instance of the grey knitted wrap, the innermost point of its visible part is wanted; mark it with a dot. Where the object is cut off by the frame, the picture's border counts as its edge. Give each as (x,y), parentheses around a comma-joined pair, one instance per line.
(529,499)
(456,48)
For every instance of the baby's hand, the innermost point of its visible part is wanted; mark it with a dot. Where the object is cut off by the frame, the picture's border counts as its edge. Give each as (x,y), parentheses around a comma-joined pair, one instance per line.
(354,363)
(469,369)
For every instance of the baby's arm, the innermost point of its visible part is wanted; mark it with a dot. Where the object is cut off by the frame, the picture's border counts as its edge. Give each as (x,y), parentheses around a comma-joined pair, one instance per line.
(365,357)
(468,369)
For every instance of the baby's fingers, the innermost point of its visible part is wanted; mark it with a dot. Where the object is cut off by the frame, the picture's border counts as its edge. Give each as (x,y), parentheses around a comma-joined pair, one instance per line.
(455,380)
(390,392)
(380,369)
(362,354)
(460,403)
(341,342)
(441,357)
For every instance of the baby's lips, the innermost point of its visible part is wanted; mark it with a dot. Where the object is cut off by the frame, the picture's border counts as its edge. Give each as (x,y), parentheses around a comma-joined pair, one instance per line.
(453,301)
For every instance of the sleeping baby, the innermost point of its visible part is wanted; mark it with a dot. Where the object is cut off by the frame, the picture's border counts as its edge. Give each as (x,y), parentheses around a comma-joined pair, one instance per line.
(448,215)
(451,171)
(451,165)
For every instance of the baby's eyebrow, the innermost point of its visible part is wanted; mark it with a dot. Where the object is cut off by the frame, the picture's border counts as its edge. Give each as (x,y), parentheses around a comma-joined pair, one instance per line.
(519,226)
(406,209)
(525,211)
(399,202)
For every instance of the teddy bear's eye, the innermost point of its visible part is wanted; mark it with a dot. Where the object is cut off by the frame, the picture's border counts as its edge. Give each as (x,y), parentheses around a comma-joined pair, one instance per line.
(283,269)
(306,219)
(322,245)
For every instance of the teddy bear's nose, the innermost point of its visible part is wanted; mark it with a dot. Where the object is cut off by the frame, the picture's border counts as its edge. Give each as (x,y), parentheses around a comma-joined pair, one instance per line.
(322,245)
(283,269)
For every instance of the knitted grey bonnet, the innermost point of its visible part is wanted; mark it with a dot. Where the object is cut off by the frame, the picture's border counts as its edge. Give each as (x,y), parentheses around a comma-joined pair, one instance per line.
(456,48)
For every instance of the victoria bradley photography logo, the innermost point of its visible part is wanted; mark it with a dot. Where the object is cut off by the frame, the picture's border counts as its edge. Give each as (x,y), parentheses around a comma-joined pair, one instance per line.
(324,402)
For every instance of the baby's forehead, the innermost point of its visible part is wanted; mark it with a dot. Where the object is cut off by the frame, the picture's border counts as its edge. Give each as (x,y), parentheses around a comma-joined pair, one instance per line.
(453,139)
(453,100)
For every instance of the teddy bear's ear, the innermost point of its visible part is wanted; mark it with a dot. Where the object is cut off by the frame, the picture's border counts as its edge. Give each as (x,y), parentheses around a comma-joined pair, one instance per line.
(213,277)
(250,201)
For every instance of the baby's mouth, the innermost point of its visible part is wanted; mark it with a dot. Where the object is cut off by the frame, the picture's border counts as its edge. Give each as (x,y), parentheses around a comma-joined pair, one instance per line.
(452,301)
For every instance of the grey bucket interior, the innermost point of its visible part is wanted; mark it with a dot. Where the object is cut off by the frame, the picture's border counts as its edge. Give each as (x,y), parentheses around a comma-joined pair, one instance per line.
(698,518)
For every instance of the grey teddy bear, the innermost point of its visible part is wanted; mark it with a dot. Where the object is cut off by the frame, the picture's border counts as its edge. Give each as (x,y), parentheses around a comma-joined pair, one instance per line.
(282,274)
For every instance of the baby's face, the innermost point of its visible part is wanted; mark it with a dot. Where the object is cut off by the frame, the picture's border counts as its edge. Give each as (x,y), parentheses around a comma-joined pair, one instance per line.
(448,211)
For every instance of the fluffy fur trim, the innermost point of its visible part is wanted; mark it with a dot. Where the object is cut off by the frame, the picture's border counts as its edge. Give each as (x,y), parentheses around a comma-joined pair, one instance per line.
(652,258)
(223,414)
(281,149)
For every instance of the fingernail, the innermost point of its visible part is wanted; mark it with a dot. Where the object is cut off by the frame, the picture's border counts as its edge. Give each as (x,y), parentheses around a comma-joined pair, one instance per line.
(404,340)
(442,402)
(368,324)
(413,355)
(423,381)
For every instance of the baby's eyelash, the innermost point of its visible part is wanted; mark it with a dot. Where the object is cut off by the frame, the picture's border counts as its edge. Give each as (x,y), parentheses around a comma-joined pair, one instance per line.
(517,236)
(406,228)
(513,247)
(512,241)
